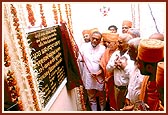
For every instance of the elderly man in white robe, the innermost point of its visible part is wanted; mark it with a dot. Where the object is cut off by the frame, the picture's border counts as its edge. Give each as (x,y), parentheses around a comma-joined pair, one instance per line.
(90,55)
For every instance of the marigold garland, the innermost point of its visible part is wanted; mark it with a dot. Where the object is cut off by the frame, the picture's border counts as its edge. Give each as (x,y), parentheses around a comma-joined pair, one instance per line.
(31,18)
(68,14)
(69,24)
(59,9)
(24,55)
(55,14)
(7,58)
(14,89)
(42,16)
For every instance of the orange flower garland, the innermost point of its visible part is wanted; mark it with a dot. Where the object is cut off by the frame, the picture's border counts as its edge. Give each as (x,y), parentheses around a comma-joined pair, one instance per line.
(30,14)
(24,55)
(55,14)
(80,89)
(42,16)
(6,56)
(82,99)
(59,9)
(14,89)
(68,15)
(70,19)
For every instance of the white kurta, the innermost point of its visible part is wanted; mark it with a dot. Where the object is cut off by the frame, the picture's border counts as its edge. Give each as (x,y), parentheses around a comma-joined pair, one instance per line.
(121,76)
(134,86)
(92,58)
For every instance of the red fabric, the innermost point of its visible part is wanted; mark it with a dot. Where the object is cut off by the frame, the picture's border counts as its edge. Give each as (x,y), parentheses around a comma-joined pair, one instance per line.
(109,86)
(73,74)
(152,96)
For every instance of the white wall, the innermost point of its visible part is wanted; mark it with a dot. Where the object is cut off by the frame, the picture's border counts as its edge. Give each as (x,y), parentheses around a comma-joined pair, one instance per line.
(87,15)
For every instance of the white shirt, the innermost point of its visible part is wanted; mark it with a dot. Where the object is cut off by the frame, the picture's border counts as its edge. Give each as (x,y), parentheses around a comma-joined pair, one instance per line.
(121,77)
(134,86)
(92,56)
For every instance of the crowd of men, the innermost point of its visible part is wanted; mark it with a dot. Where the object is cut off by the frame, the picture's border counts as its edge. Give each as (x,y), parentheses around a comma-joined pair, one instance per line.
(123,70)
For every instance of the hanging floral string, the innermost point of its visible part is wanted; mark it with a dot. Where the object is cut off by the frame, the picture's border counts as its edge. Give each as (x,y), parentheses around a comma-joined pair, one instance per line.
(11,81)
(55,14)
(60,12)
(80,91)
(20,101)
(133,14)
(7,58)
(69,27)
(42,16)
(30,14)
(68,15)
(14,89)
(70,18)
(24,55)
(83,103)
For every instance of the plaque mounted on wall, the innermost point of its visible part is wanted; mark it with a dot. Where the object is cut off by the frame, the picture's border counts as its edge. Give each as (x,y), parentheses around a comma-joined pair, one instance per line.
(48,57)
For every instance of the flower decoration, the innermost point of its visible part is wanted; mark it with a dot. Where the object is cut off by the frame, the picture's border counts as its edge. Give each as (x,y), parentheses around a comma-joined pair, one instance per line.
(105,10)
(59,10)
(42,16)
(14,89)
(7,58)
(24,56)
(55,13)
(30,14)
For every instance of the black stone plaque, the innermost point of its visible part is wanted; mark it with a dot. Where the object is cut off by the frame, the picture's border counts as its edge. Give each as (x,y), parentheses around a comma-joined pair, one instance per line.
(47,55)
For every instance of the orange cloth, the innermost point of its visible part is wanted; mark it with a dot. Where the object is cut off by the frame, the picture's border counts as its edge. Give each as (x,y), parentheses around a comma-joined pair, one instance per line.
(127,23)
(160,74)
(93,30)
(143,88)
(109,37)
(149,94)
(151,50)
(85,32)
(109,86)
